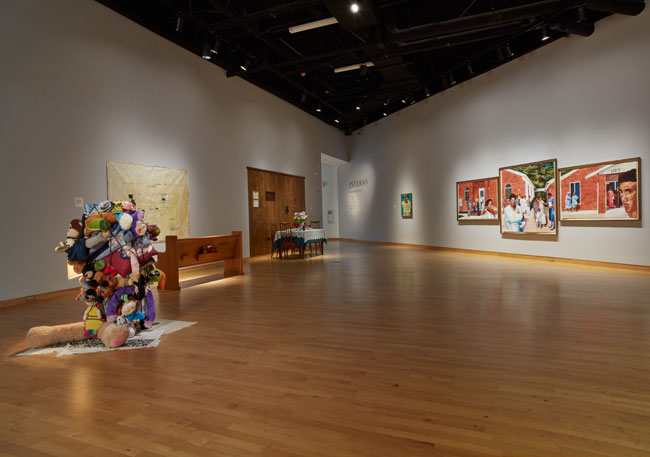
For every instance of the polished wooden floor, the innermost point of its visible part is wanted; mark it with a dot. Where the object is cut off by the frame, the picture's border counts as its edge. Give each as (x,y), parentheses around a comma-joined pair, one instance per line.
(367,351)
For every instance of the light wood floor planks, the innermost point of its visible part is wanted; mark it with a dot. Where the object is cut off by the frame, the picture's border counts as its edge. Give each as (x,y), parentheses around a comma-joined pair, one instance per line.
(368,351)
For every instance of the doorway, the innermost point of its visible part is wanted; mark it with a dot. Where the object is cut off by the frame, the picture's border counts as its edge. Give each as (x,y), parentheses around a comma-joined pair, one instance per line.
(273,197)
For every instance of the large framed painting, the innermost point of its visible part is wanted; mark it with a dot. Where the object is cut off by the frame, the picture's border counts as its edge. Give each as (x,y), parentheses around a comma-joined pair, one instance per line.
(605,191)
(528,198)
(478,200)
(407,206)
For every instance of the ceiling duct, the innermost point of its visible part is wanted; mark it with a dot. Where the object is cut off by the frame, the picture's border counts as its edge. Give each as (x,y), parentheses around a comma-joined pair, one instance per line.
(511,15)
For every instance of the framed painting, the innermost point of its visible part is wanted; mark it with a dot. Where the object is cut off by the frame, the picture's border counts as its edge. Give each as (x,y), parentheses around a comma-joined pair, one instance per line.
(407,206)
(606,191)
(478,200)
(528,198)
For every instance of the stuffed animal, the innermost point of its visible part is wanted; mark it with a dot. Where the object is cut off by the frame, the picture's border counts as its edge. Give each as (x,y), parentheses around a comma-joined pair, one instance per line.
(109,333)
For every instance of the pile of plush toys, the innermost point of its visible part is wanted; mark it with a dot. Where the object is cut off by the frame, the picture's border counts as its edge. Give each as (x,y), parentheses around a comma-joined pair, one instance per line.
(111,247)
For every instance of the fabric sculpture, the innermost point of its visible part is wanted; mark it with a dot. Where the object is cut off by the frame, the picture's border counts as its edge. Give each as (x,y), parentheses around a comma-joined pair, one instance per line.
(111,247)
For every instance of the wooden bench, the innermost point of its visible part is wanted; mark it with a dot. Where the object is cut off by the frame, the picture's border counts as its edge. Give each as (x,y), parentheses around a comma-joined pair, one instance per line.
(186,252)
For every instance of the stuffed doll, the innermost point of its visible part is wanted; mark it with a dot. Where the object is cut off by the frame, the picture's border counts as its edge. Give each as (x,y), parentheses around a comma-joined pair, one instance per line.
(74,245)
(93,314)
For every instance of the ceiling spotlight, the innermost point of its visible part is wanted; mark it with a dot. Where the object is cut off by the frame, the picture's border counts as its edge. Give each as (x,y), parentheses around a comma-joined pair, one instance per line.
(387,101)
(216,46)
(384,113)
(358,107)
(544,34)
(426,91)
(452,80)
(363,71)
(470,69)
(508,50)
(313,25)
(303,98)
(404,100)
(354,7)
(337,121)
(319,108)
(206,53)
(245,65)
(500,54)
(581,14)
(179,24)
(355,66)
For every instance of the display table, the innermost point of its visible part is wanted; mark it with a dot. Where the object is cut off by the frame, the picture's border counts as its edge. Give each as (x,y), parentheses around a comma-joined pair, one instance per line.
(301,237)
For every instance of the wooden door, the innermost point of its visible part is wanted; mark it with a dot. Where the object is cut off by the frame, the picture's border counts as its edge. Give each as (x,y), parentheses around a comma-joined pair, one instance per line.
(280,195)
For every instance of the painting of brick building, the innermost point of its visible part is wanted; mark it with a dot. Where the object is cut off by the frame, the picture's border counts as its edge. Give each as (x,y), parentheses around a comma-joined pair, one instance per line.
(600,191)
(527,198)
(477,200)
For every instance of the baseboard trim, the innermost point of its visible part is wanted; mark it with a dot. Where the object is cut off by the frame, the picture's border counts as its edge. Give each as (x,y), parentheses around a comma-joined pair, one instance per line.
(38,297)
(592,263)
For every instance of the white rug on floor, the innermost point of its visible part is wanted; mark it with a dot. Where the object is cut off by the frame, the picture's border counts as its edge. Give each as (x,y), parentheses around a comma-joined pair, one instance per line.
(143,339)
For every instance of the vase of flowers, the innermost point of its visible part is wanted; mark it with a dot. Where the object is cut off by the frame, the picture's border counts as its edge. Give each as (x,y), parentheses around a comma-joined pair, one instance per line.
(300,219)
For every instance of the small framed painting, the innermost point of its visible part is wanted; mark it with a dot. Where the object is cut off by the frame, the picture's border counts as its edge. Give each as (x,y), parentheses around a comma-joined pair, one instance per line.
(478,200)
(528,198)
(407,206)
(606,191)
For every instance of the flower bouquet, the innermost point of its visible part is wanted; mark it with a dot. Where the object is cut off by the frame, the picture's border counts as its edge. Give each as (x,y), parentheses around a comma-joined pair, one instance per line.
(299,219)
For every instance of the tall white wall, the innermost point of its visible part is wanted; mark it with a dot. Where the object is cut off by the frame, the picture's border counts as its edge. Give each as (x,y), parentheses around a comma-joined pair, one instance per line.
(330,200)
(80,84)
(580,100)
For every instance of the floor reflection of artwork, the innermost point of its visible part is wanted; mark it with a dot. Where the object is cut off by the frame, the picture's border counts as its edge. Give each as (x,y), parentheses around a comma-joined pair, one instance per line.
(601,191)
(528,198)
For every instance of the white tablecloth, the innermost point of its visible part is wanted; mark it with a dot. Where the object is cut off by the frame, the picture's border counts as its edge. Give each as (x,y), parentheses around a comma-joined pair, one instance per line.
(302,237)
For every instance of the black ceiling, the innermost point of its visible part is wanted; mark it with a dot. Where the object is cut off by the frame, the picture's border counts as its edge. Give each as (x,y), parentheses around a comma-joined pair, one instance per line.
(418,48)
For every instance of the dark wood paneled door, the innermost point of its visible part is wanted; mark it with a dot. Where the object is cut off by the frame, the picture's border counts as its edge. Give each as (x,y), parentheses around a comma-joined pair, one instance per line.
(279,196)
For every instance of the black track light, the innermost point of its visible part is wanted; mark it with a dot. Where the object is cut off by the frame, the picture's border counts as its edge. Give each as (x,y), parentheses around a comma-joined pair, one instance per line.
(452,80)
(206,52)
(387,101)
(216,46)
(179,24)
(246,65)
(545,35)
(470,69)
(364,69)
(509,52)
(319,108)
(303,98)
(582,16)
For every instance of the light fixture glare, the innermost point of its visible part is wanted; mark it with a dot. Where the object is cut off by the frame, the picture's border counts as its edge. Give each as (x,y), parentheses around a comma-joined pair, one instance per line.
(354,7)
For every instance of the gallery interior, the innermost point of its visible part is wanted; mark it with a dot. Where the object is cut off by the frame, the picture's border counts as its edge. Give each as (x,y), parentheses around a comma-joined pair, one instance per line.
(403,326)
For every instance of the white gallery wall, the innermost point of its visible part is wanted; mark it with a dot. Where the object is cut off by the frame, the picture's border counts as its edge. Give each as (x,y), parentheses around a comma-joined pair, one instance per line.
(580,100)
(80,84)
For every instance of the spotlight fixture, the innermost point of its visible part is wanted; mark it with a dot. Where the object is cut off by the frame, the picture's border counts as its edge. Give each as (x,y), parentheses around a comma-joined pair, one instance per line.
(354,7)
(387,101)
(581,14)
(216,46)
(337,121)
(358,107)
(384,113)
(508,50)
(500,54)
(363,71)
(245,65)
(452,80)
(544,34)
(355,66)
(179,24)
(319,108)
(427,93)
(206,53)
(313,25)
(303,98)
(470,69)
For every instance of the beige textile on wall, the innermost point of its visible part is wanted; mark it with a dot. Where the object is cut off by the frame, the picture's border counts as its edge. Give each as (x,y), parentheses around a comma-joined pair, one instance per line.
(163,193)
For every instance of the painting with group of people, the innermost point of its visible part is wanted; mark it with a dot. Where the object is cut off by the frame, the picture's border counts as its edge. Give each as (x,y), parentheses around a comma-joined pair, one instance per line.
(528,198)
(478,200)
(601,191)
